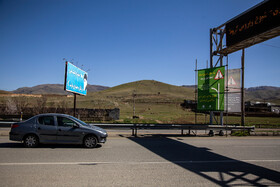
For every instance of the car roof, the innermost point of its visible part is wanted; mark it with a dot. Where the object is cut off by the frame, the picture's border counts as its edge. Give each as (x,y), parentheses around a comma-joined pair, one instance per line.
(53,114)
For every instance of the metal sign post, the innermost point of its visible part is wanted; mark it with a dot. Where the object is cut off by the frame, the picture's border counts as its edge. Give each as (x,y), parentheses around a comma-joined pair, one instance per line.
(195,92)
(75,95)
(216,44)
(242,90)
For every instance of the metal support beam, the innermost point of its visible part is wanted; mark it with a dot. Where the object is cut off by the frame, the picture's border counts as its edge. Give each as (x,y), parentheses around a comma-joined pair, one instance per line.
(211,66)
(195,92)
(216,44)
(242,90)
(211,48)
(75,104)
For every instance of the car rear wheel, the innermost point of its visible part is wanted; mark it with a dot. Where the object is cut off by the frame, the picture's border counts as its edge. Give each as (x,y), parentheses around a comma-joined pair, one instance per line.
(31,141)
(90,142)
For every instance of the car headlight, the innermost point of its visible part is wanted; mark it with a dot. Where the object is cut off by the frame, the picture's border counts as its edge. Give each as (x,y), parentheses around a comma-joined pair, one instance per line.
(102,132)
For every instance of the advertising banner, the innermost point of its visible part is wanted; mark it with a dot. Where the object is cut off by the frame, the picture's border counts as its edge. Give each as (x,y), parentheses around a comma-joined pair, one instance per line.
(234,91)
(75,79)
(234,102)
(211,83)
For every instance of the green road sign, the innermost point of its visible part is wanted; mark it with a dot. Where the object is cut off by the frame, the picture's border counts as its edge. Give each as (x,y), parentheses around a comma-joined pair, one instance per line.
(211,89)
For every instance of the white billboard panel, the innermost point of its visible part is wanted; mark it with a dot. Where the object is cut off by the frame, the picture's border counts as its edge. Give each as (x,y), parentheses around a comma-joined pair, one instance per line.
(233,104)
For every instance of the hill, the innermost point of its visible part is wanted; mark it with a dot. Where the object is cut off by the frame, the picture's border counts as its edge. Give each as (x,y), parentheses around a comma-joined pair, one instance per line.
(53,89)
(152,91)
(263,94)
(151,101)
(4,92)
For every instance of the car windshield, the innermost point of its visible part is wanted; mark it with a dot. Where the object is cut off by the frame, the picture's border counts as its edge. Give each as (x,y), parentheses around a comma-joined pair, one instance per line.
(80,121)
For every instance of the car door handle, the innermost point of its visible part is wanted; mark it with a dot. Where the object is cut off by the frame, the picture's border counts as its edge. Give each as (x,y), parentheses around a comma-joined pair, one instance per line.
(39,128)
(59,129)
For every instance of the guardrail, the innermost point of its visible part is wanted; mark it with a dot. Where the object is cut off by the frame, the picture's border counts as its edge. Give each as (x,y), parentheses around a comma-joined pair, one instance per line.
(189,127)
(6,123)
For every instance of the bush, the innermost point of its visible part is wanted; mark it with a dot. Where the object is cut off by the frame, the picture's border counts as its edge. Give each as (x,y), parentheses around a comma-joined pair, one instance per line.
(240,133)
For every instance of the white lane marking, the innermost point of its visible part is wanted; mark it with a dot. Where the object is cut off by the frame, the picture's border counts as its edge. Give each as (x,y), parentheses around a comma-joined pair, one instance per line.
(160,162)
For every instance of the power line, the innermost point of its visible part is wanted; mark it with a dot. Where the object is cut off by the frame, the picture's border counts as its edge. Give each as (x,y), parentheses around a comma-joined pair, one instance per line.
(271,45)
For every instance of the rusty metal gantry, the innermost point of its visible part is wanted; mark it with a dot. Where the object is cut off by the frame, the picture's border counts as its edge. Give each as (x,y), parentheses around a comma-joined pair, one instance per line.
(216,58)
(218,52)
(256,25)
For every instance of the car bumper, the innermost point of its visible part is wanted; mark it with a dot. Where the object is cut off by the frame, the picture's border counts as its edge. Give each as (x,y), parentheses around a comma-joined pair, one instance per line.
(15,137)
(103,139)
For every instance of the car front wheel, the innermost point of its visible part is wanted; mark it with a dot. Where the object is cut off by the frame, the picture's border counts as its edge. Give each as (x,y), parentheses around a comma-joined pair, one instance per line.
(90,142)
(31,141)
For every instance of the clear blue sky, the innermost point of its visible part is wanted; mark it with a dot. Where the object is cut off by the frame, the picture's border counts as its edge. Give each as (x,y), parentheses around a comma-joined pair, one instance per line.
(121,41)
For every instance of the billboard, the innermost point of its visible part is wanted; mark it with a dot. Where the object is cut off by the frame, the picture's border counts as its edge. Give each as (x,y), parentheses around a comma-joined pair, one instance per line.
(265,17)
(234,91)
(75,79)
(234,80)
(210,87)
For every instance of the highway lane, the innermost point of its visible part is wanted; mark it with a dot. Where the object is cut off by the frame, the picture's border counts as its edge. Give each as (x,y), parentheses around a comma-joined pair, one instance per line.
(144,161)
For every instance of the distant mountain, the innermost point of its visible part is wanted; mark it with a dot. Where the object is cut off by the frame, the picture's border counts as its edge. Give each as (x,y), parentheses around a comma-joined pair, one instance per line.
(96,88)
(53,89)
(4,92)
(263,94)
(270,88)
(189,86)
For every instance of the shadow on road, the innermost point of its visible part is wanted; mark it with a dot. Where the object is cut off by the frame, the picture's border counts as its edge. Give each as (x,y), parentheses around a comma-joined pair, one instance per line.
(221,170)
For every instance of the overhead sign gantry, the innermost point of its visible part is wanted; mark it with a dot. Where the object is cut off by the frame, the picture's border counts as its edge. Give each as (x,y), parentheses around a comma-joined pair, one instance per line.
(256,25)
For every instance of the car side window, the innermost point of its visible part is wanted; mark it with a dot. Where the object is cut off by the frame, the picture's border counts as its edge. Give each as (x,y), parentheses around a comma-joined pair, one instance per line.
(65,122)
(46,120)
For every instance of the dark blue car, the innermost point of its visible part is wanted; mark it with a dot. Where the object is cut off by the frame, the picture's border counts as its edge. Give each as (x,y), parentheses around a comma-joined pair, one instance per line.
(57,128)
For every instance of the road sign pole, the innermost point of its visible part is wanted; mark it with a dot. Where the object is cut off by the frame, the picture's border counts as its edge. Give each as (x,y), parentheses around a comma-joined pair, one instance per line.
(75,104)
(195,92)
(221,112)
(242,90)
(211,66)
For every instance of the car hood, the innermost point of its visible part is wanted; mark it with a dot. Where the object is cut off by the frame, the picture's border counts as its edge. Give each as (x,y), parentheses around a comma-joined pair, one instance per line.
(92,127)
(98,128)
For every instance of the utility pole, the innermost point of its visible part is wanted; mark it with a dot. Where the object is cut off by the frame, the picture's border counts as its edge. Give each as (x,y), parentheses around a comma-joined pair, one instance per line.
(195,92)
(133,103)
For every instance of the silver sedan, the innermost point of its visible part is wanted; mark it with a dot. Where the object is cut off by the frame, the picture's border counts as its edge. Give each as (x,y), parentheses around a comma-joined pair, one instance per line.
(57,128)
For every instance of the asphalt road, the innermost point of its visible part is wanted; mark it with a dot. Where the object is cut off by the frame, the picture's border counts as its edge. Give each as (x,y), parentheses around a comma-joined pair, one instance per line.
(145,161)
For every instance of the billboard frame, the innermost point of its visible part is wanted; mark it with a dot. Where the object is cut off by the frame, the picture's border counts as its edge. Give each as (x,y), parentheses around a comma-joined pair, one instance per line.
(72,91)
(76,79)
